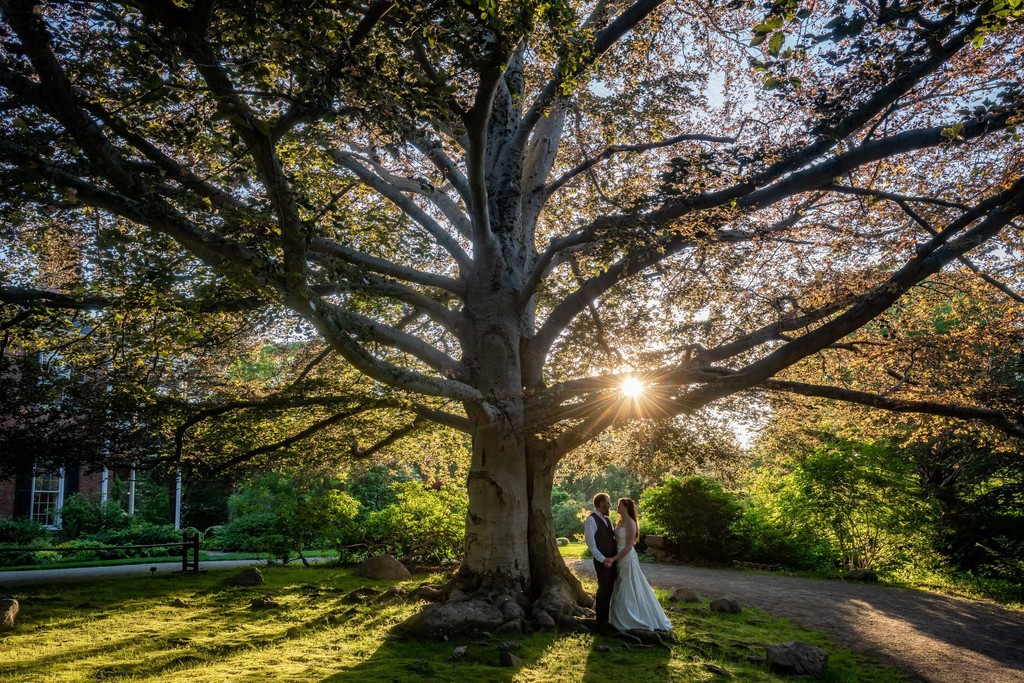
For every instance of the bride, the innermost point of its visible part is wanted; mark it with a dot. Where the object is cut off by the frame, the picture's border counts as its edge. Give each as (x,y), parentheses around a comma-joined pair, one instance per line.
(633,605)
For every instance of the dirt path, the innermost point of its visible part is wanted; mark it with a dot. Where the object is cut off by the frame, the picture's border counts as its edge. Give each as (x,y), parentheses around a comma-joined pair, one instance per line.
(931,637)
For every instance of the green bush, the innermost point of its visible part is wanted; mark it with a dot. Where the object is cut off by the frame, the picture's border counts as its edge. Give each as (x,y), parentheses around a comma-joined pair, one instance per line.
(83,516)
(566,515)
(82,550)
(141,532)
(253,533)
(425,523)
(770,541)
(22,532)
(695,513)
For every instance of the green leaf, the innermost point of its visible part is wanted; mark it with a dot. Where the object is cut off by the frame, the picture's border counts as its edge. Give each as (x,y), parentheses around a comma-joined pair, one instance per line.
(952,131)
(770,24)
(775,44)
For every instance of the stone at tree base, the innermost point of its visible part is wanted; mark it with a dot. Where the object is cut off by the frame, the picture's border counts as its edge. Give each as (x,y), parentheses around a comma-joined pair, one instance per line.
(447,619)
(383,567)
(247,577)
(427,593)
(543,620)
(797,659)
(685,595)
(8,611)
(510,609)
(725,606)
(509,659)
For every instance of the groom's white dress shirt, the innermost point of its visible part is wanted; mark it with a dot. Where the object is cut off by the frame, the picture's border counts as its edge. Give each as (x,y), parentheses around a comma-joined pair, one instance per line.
(589,529)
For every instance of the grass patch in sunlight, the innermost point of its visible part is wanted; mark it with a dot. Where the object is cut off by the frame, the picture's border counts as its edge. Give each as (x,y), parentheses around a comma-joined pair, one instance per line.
(573,550)
(1005,593)
(127,629)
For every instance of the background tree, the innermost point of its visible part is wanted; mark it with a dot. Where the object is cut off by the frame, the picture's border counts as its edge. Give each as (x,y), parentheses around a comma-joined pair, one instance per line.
(497,212)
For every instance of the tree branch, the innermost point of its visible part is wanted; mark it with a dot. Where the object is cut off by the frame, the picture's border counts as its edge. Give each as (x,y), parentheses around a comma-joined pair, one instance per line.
(619,149)
(995,418)
(390,192)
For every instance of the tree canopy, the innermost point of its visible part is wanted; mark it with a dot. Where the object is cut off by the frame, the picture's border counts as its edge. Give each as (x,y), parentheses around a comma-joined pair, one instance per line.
(500,211)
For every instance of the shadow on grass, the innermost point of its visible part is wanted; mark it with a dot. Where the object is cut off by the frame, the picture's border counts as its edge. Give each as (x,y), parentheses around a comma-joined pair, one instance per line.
(546,657)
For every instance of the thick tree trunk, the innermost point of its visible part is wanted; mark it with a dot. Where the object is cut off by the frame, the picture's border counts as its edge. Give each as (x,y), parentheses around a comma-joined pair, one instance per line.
(559,593)
(512,578)
(496,525)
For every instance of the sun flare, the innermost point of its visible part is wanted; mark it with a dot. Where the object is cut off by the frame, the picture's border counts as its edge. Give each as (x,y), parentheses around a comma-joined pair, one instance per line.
(632,387)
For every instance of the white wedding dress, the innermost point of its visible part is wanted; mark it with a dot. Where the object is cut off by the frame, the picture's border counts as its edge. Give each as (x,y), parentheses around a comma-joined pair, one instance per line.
(634,605)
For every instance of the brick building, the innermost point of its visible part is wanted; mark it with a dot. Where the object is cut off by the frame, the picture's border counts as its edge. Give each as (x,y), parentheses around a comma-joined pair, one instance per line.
(40,495)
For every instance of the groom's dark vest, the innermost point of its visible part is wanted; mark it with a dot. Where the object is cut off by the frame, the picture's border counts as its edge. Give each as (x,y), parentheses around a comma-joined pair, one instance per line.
(604,537)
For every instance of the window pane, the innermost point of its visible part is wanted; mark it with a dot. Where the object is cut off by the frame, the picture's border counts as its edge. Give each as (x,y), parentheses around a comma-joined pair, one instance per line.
(46,498)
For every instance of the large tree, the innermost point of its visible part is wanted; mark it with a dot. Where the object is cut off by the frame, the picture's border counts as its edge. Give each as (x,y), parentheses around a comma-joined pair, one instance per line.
(500,211)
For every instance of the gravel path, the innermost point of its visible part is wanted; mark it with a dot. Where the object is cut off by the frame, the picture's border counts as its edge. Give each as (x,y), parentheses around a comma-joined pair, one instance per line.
(931,637)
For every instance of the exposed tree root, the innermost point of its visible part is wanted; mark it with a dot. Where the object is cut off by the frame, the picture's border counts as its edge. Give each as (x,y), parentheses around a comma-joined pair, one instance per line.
(499,604)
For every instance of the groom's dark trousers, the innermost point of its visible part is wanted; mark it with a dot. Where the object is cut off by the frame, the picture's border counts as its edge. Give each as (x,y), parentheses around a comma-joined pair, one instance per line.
(604,539)
(605,586)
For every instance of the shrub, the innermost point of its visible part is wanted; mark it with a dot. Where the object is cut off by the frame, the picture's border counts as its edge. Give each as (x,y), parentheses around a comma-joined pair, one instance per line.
(424,523)
(83,516)
(696,513)
(22,532)
(764,539)
(81,550)
(254,533)
(568,515)
(140,532)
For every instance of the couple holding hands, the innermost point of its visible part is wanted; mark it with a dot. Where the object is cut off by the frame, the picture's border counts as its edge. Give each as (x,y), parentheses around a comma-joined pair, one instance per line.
(624,599)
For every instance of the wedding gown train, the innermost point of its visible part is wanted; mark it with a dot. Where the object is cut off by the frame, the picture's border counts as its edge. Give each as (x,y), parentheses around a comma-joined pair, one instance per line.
(634,605)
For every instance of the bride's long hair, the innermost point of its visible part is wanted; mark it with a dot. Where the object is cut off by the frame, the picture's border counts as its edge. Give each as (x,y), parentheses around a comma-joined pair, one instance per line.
(631,511)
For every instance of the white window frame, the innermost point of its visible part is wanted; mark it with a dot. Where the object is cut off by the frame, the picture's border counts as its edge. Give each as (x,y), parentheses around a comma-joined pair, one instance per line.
(60,497)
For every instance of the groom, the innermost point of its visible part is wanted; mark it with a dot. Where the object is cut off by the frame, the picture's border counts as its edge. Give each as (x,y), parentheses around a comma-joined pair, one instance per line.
(600,538)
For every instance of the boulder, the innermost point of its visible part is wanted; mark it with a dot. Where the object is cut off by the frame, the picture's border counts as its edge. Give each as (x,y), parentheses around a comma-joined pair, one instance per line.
(247,577)
(562,541)
(797,659)
(264,602)
(8,611)
(178,602)
(383,567)
(509,659)
(725,606)
(458,654)
(685,595)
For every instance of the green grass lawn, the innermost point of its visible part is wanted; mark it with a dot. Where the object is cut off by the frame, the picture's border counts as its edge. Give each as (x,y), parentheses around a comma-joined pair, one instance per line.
(128,630)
